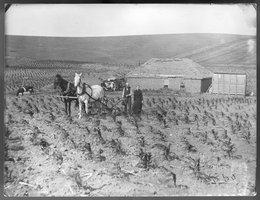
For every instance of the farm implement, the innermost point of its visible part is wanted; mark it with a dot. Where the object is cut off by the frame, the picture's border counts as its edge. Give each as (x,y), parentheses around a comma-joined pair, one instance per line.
(106,100)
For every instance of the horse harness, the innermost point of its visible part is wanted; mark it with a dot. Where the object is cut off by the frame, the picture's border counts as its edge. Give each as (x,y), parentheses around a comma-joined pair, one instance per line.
(90,96)
(85,92)
(68,89)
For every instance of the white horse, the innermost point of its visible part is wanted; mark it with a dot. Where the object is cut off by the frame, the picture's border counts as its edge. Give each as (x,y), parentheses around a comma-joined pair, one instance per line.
(86,94)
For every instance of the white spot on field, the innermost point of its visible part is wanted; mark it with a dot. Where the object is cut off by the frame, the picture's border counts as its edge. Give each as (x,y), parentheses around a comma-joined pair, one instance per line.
(250,45)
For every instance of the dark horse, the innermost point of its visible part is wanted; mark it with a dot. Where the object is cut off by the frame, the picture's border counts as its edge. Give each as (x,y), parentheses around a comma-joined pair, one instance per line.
(23,89)
(67,89)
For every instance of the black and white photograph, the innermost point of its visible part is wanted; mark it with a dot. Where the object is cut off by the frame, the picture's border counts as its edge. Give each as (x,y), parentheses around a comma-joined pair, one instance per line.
(130,100)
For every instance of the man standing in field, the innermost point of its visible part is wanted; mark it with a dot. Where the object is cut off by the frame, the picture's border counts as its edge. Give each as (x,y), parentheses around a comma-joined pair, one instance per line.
(127,97)
(138,102)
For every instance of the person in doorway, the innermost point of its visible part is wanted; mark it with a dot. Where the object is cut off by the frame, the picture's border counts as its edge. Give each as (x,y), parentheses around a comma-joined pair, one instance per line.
(138,102)
(182,86)
(127,98)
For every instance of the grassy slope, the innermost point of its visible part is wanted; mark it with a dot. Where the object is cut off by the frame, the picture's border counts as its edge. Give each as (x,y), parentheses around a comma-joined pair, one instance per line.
(203,48)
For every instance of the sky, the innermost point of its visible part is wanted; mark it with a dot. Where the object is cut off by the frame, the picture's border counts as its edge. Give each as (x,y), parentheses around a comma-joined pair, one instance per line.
(92,20)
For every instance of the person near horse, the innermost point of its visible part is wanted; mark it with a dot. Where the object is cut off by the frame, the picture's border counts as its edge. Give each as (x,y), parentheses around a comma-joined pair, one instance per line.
(127,97)
(138,102)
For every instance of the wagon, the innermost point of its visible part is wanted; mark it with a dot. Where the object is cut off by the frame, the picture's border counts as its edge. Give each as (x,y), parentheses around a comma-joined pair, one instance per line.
(114,84)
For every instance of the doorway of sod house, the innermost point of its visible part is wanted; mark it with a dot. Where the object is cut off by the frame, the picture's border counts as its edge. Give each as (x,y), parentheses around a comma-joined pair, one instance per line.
(166,83)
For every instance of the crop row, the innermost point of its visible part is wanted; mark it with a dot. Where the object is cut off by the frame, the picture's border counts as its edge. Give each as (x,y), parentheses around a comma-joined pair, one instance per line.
(202,136)
(16,77)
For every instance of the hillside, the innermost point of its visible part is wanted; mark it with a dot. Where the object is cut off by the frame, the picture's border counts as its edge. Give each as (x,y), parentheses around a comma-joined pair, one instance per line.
(203,48)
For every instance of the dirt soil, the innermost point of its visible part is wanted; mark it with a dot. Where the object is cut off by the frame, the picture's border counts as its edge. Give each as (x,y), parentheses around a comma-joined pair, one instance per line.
(198,145)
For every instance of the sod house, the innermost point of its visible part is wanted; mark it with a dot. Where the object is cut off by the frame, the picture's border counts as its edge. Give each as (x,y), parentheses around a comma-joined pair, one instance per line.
(175,74)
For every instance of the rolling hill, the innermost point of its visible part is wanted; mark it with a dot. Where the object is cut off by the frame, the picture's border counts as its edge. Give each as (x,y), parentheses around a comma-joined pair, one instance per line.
(206,49)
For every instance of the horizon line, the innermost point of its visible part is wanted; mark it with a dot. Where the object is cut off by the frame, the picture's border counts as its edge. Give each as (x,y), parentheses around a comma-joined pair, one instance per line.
(128,35)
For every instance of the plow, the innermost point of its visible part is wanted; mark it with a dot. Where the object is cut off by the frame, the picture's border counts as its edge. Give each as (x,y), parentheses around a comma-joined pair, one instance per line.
(106,100)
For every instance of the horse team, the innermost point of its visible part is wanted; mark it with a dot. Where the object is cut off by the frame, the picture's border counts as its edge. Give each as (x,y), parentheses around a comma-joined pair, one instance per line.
(80,92)
(83,94)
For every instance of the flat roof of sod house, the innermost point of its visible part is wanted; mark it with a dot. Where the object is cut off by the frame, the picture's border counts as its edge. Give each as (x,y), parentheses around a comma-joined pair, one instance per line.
(172,68)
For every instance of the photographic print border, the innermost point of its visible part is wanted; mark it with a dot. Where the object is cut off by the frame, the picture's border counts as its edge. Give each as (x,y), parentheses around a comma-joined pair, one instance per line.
(2,101)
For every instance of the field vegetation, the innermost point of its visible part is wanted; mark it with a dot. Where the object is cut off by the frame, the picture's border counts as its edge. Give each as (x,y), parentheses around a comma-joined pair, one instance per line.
(185,144)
